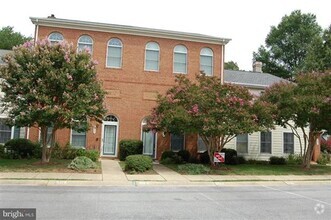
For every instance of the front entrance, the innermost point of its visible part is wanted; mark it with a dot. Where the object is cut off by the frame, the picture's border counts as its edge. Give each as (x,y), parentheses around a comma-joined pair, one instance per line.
(149,139)
(110,136)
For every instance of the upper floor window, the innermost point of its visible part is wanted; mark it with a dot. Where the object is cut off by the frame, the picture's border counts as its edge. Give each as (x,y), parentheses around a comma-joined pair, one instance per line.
(180,59)
(85,42)
(288,140)
(114,53)
(266,142)
(152,56)
(206,61)
(242,143)
(55,37)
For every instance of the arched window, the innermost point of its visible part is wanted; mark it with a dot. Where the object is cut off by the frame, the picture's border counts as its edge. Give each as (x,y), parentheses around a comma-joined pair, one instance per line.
(206,61)
(149,139)
(85,42)
(152,56)
(55,37)
(114,54)
(180,59)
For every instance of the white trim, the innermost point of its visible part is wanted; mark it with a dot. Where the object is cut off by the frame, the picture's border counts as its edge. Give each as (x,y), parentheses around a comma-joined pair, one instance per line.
(271,141)
(158,59)
(84,147)
(141,138)
(212,59)
(102,137)
(91,44)
(130,30)
(186,60)
(247,145)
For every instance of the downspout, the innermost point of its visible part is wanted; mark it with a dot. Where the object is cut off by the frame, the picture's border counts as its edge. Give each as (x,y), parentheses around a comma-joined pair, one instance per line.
(36,31)
(222,63)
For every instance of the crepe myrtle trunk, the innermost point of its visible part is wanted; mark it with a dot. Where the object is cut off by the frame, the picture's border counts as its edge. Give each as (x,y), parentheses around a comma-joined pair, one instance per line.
(46,150)
(313,136)
(213,145)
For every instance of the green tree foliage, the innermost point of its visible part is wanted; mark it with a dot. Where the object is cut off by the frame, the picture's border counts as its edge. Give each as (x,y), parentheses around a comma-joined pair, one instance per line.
(319,54)
(304,104)
(231,65)
(216,112)
(286,45)
(50,85)
(9,38)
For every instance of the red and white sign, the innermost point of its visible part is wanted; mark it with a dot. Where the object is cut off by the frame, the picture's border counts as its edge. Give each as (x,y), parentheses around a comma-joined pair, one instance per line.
(219,157)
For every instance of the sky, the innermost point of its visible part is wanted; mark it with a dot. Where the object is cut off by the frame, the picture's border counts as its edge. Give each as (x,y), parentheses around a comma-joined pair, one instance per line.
(247,23)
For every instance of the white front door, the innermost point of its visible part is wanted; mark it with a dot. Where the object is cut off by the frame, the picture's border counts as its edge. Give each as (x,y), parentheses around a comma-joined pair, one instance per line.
(109,136)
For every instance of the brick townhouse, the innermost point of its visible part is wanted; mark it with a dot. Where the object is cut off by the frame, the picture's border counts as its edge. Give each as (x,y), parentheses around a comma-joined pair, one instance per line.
(135,65)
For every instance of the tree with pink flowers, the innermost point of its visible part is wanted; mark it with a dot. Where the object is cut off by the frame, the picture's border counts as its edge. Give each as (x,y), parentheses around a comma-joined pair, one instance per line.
(50,85)
(217,112)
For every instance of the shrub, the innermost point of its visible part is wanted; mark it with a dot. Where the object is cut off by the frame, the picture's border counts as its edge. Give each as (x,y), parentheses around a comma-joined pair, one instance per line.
(204,158)
(168,154)
(294,159)
(277,160)
(68,152)
(184,154)
(21,148)
(2,151)
(92,154)
(168,160)
(241,160)
(193,160)
(323,159)
(229,156)
(193,169)
(138,163)
(130,147)
(257,162)
(82,163)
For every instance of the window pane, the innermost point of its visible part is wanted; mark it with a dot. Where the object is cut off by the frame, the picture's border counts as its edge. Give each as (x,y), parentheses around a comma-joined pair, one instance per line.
(266,142)
(288,143)
(82,47)
(206,65)
(177,142)
(201,145)
(55,37)
(180,63)
(5,132)
(19,132)
(78,139)
(242,143)
(114,56)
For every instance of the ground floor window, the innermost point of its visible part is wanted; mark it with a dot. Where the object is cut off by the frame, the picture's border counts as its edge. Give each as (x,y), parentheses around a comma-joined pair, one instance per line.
(266,142)
(78,139)
(177,142)
(149,139)
(5,132)
(288,140)
(242,143)
(201,145)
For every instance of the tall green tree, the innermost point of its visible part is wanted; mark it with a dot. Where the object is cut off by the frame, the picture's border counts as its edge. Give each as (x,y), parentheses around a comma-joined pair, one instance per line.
(9,38)
(319,54)
(231,65)
(287,44)
(216,112)
(306,104)
(50,85)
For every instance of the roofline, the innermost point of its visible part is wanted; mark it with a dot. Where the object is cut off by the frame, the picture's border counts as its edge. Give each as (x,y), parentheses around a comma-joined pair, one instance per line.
(123,29)
(253,86)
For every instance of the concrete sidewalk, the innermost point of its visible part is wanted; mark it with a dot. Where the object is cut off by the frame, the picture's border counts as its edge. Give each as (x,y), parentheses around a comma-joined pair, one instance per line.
(112,175)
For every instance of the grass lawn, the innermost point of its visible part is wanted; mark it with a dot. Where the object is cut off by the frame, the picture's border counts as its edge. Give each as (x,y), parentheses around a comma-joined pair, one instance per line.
(148,172)
(257,169)
(34,165)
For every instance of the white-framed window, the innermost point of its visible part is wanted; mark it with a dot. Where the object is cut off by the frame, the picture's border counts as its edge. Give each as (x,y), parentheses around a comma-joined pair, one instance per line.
(85,42)
(288,141)
(206,61)
(152,56)
(5,132)
(180,59)
(201,145)
(114,53)
(242,143)
(78,139)
(177,142)
(265,142)
(55,37)
(149,139)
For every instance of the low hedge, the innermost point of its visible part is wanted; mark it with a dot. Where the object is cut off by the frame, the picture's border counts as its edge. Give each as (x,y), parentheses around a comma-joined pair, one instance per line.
(138,163)
(82,163)
(230,156)
(277,160)
(130,147)
(21,148)
(68,152)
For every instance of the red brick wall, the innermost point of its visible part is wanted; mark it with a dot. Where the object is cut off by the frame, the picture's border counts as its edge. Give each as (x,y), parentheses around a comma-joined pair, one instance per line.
(129,106)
